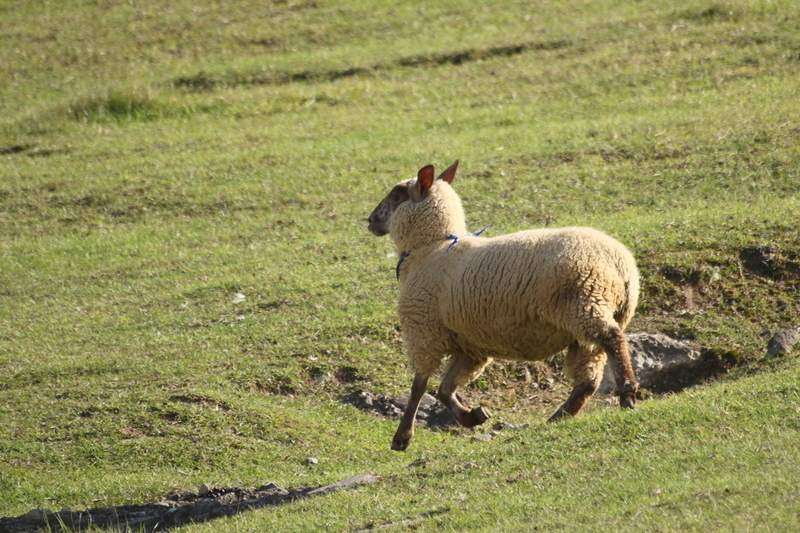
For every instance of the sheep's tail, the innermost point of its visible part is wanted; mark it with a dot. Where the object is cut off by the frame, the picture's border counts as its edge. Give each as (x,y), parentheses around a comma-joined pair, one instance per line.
(615,344)
(626,308)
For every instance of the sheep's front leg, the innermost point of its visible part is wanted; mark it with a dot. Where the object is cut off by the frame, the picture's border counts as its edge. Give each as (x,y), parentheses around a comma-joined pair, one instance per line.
(402,437)
(461,371)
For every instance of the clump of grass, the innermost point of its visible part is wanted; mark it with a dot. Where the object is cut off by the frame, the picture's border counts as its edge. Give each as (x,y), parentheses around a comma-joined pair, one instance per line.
(116,106)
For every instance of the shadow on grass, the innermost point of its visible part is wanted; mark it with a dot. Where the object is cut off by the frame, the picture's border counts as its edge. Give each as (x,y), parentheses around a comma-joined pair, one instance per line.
(204,82)
(178,510)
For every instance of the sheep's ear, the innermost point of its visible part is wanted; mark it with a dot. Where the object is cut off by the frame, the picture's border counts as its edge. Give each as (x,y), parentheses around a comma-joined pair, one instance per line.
(424,182)
(450,173)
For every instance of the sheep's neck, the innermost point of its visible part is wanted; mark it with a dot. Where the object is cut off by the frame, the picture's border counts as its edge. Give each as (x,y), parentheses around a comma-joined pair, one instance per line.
(403,254)
(451,237)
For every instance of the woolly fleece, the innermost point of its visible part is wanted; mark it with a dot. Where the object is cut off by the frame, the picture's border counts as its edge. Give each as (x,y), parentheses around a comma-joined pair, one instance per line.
(522,296)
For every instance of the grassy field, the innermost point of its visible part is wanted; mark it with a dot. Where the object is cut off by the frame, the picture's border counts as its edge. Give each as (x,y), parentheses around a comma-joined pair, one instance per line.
(160,160)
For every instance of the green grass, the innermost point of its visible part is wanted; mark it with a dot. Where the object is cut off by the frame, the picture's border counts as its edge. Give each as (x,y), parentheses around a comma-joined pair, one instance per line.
(159,158)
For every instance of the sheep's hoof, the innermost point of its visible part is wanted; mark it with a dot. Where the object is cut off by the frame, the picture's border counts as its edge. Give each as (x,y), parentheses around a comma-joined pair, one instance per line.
(479,415)
(400,443)
(627,398)
(627,402)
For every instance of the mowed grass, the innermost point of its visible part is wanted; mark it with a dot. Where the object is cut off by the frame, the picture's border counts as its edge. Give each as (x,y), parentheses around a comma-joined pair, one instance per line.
(158,160)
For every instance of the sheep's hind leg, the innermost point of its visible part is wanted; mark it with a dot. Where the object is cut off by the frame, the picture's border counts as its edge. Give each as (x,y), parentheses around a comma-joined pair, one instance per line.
(586,370)
(461,371)
(402,437)
(616,346)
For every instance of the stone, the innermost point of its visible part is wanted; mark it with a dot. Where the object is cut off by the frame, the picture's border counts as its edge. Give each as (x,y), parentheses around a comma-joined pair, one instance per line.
(482,437)
(204,489)
(783,342)
(426,402)
(441,418)
(652,355)
(503,426)
(312,461)
(37,515)
(272,489)
(184,495)
(363,479)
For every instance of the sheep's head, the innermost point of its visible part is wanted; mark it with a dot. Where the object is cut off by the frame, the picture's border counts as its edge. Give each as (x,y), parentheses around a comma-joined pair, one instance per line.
(414,190)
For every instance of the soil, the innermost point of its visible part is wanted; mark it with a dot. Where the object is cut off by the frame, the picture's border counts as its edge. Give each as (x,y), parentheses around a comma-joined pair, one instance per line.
(522,391)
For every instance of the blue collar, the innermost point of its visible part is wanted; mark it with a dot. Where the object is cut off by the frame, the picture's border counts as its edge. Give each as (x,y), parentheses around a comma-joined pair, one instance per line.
(455,239)
(450,237)
(397,268)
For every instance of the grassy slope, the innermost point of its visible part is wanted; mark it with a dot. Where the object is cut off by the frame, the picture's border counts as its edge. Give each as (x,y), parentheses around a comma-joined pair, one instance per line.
(160,159)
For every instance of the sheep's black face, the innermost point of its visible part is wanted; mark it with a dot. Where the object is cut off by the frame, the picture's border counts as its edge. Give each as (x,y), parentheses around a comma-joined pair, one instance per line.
(380,216)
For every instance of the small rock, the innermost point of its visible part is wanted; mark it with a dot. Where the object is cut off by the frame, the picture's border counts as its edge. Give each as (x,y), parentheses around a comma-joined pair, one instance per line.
(320,378)
(483,438)
(426,402)
(783,342)
(37,515)
(441,418)
(186,496)
(503,426)
(204,489)
(363,479)
(272,488)
(312,461)
(366,399)
(226,498)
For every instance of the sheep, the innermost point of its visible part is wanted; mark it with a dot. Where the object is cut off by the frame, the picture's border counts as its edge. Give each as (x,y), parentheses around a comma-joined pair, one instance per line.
(523,296)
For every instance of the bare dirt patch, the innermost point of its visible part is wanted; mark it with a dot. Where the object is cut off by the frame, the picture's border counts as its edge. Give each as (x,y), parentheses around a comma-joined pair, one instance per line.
(520,391)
